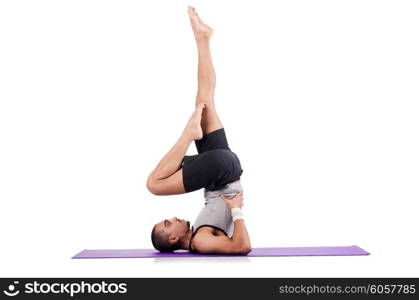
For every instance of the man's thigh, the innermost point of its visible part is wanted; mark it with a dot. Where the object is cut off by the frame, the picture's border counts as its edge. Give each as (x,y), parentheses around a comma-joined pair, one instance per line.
(210,120)
(216,139)
(172,185)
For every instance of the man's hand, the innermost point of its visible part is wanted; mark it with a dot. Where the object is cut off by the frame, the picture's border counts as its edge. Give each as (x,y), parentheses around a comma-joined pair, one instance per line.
(207,243)
(236,201)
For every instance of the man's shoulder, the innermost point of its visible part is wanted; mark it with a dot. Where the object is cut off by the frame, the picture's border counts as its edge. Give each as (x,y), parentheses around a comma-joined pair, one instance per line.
(212,241)
(205,235)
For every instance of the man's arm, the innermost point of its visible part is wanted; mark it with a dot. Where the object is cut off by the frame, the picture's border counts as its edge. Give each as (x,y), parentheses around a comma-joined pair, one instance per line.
(239,243)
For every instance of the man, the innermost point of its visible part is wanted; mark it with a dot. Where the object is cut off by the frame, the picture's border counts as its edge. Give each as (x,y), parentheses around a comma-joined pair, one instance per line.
(219,228)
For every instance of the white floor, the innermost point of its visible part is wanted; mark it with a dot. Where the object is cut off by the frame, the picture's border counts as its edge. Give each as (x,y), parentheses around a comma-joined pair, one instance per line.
(398,260)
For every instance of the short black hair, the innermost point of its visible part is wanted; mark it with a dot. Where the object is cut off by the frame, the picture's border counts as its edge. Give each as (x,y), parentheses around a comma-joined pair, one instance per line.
(160,241)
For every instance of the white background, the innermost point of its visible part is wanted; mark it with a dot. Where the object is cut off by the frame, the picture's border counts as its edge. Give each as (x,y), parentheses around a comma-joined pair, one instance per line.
(319,100)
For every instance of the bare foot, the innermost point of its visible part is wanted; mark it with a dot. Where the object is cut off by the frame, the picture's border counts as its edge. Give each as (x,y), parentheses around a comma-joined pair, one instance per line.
(200,29)
(193,127)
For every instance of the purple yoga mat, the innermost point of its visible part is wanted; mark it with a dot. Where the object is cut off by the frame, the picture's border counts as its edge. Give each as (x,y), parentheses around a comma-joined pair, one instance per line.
(256,252)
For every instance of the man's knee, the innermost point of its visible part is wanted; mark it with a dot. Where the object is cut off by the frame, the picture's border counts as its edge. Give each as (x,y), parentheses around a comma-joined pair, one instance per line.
(208,100)
(153,186)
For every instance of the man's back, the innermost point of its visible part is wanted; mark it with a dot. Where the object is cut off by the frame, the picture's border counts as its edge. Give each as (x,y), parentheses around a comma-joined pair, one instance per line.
(213,229)
(216,213)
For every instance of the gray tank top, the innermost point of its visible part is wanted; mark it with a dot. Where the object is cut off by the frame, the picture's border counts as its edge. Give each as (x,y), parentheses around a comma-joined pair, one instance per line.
(216,213)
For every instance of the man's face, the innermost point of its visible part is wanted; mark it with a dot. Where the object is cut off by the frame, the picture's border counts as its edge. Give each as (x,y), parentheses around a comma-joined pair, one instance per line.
(174,227)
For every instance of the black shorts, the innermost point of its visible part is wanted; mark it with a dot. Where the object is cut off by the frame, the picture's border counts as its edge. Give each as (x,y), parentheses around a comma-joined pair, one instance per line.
(214,167)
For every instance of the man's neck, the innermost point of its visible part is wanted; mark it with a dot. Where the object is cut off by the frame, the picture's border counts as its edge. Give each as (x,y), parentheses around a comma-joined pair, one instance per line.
(186,240)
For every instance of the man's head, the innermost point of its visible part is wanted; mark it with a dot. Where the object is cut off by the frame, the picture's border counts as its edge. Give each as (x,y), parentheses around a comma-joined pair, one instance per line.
(170,234)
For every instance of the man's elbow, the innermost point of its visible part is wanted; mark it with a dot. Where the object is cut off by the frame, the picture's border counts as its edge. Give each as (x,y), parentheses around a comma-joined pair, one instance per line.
(245,250)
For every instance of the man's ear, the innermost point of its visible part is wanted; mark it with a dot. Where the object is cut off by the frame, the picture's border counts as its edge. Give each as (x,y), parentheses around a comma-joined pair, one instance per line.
(173,239)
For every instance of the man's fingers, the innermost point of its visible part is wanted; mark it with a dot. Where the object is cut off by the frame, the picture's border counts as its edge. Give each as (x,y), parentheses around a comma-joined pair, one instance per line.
(238,195)
(224,198)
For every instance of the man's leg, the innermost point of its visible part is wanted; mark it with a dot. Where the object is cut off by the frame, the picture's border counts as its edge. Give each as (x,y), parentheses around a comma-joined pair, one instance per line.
(166,178)
(206,73)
